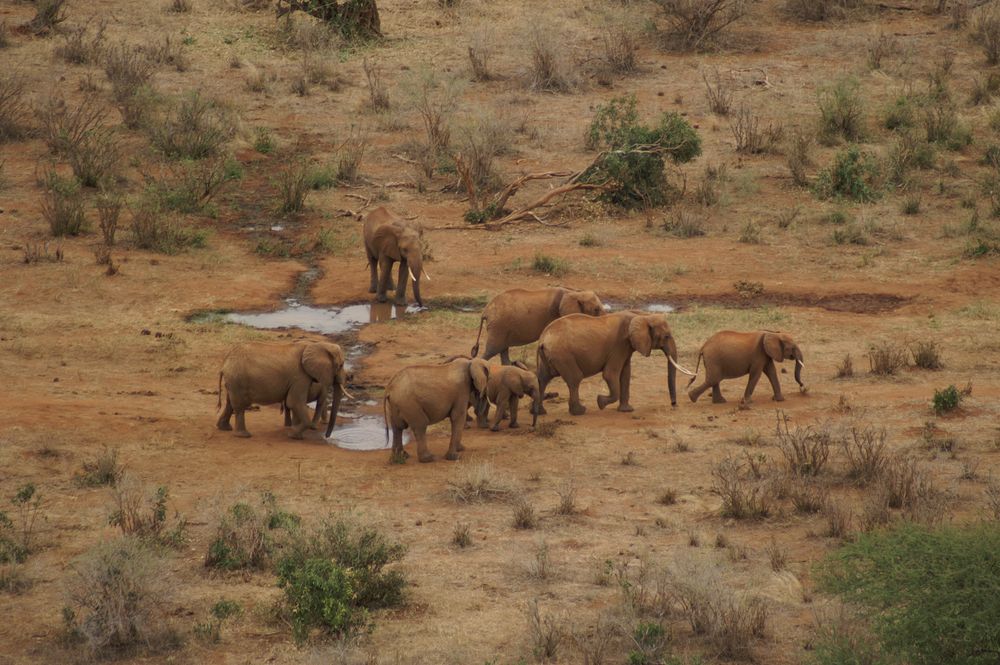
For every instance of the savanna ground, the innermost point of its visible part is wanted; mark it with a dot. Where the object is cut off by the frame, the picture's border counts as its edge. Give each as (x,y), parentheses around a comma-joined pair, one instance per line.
(80,375)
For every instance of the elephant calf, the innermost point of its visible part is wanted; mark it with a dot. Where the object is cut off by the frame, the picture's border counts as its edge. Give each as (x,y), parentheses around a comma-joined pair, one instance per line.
(421,395)
(506,386)
(730,355)
(279,373)
(577,346)
(518,316)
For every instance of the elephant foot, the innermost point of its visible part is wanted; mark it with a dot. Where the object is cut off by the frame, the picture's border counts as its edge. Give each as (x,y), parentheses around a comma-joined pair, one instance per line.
(225,427)
(720,400)
(577,409)
(541,411)
(380,298)
(242,434)
(603,401)
(778,398)
(450,456)
(625,408)
(312,426)
(295,435)
(495,428)
(400,303)
(459,447)
(693,397)
(513,426)
(426,457)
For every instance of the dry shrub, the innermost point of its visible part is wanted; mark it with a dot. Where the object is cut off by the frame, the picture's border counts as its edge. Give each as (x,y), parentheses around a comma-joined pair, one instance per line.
(195,128)
(242,539)
(540,566)
(776,556)
(294,184)
(886,358)
(546,632)
(684,224)
(799,157)
(992,493)
(805,449)
(865,453)
(903,482)
(62,206)
(461,537)
(842,111)
(549,69)
(350,154)
(13,107)
(80,46)
(620,43)
(699,24)
(845,369)
(838,520)
(750,137)
(80,136)
(139,510)
(524,516)
(822,10)
(730,619)
(116,597)
(744,495)
(4,35)
(808,498)
(875,513)
(718,92)
(103,469)
(483,139)
(878,47)
(435,100)
(986,32)
(378,94)
(477,483)
(927,355)
(48,15)
(567,498)
(595,642)
(129,70)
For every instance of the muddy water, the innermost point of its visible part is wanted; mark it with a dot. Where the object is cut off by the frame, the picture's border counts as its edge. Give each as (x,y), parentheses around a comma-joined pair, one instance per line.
(354,430)
(658,307)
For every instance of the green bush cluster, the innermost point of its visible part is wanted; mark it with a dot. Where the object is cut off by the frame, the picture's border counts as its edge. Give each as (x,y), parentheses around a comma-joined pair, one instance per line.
(854,175)
(946,400)
(631,166)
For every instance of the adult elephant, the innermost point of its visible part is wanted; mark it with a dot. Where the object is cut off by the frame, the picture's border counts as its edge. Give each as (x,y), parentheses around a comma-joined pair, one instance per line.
(577,346)
(391,239)
(518,316)
(279,373)
(730,355)
(421,395)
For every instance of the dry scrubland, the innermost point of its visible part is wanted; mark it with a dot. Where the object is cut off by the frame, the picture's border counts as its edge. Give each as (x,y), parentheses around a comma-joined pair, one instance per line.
(159,159)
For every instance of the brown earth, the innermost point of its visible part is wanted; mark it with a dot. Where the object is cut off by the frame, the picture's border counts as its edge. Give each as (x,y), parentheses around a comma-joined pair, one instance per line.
(79,374)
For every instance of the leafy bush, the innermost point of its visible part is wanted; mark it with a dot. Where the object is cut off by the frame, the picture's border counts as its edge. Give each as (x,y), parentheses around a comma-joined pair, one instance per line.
(632,164)
(854,175)
(927,593)
(62,206)
(319,594)
(842,111)
(244,536)
(946,400)
(196,128)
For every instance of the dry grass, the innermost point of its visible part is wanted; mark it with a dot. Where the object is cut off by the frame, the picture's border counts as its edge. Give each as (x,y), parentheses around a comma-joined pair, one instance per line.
(567,498)
(81,46)
(103,469)
(378,93)
(808,498)
(548,68)
(461,537)
(482,46)
(62,206)
(294,185)
(81,135)
(718,92)
(750,136)
(48,15)
(986,32)
(478,483)
(546,633)
(693,25)
(838,520)
(927,355)
(524,516)
(865,453)
(130,70)
(805,449)
(886,358)
(744,495)
(845,369)
(109,206)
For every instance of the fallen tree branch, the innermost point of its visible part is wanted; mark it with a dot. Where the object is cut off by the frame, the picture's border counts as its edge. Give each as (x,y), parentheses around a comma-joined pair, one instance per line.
(527,211)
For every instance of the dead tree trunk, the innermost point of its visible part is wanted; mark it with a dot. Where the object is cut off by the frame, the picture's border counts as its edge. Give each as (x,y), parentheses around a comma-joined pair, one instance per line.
(352,18)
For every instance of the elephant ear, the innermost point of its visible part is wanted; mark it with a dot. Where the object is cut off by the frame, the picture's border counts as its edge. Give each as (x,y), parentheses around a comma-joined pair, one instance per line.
(479,370)
(336,355)
(639,335)
(387,237)
(318,363)
(570,304)
(774,347)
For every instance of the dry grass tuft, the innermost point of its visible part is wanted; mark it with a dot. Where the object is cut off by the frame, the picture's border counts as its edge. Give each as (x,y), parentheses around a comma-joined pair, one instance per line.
(547,633)
(744,495)
(805,449)
(838,520)
(524,516)
(567,498)
(886,358)
(866,453)
(479,483)
(103,469)
(549,69)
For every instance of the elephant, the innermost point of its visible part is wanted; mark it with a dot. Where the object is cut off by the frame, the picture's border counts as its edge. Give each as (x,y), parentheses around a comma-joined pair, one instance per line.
(421,395)
(389,239)
(577,346)
(280,373)
(518,316)
(506,386)
(318,394)
(729,355)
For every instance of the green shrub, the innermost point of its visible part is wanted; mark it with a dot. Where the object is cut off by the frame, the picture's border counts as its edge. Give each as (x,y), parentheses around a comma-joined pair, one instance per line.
(550,265)
(929,594)
(153,230)
(17,539)
(842,111)
(62,206)
(263,141)
(854,175)
(946,400)
(631,166)
(320,594)
(900,114)
(244,537)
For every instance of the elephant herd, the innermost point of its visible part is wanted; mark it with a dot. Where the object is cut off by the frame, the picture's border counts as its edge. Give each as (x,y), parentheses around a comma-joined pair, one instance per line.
(576,339)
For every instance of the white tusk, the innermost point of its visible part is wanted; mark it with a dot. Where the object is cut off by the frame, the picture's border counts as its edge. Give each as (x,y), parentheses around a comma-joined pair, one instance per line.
(410,270)
(427,276)
(801,364)
(346,394)
(674,363)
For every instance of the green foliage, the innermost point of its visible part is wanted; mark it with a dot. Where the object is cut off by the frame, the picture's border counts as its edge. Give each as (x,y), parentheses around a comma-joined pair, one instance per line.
(16,537)
(929,594)
(946,400)
(62,205)
(244,537)
(842,112)
(211,630)
(901,114)
(263,141)
(649,644)
(550,265)
(153,230)
(632,164)
(320,594)
(854,175)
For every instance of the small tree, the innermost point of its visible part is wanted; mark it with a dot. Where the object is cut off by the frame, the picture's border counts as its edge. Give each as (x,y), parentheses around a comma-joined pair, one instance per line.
(694,24)
(633,162)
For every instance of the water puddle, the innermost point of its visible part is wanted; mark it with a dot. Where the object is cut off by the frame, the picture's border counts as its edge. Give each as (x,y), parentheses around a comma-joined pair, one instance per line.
(657,307)
(326,320)
(359,432)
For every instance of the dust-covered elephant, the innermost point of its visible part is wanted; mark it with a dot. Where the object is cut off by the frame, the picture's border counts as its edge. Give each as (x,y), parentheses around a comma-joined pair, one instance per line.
(518,316)
(506,386)
(391,239)
(279,373)
(577,346)
(730,355)
(421,395)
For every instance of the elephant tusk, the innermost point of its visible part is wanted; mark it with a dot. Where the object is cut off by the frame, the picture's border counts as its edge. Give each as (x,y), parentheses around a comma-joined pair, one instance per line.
(427,276)
(685,371)
(410,270)
(801,364)
(348,395)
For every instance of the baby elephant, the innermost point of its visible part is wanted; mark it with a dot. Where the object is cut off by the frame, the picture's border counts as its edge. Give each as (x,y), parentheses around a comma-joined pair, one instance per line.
(729,355)
(421,395)
(506,386)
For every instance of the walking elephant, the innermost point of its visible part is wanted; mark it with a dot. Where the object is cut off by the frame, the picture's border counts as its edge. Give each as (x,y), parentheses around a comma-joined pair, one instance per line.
(730,355)
(507,384)
(519,316)
(421,395)
(280,373)
(391,239)
(577,346)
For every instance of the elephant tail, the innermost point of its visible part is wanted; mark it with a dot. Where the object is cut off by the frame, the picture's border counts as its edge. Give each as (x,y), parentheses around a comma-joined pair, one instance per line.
(475,347)
(385,418)
(219,404)
(696,365)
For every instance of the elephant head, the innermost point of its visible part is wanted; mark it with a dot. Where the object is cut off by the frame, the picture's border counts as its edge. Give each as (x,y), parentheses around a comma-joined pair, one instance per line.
(651,331)
(324,362)
(581,302)
(479,374)
(781,346)
(404,241)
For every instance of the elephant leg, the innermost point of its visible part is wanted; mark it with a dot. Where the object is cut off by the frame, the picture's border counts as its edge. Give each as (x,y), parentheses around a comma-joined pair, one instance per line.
(401,283)
(287,414)
(241,423)
(302,420)
(385,268)
(398,454)
(573,377)
(612,377)
(373,266)
(545,374)
(455,445)
(717,397)
(626,384)
(513,411)
(772,376)
(751,384)
(492,349)
(420,434)
(224,415)
(502,402)
(505,357)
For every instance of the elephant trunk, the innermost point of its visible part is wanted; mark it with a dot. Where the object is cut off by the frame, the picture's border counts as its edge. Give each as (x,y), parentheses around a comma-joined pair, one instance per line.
(338,392)
(416,266)
(671,353)
(798,367)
